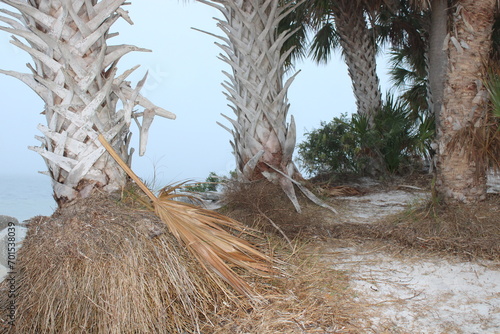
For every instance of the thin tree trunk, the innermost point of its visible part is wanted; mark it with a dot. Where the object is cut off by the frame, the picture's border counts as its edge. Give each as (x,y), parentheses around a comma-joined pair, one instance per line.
(437,57)
(359,49)
(464,102)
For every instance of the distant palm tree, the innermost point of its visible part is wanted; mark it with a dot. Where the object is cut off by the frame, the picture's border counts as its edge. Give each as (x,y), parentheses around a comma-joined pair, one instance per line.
(406,31)
(74,72)
(349,25)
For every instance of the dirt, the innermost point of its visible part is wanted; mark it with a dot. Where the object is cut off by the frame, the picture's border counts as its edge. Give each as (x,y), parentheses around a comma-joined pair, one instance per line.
(404,290)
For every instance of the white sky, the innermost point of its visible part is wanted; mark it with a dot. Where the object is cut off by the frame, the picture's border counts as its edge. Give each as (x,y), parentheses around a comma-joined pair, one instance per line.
(185,78)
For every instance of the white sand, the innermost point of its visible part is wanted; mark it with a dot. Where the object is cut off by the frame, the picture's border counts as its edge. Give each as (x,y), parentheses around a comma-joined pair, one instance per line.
(416,294)
(423,295)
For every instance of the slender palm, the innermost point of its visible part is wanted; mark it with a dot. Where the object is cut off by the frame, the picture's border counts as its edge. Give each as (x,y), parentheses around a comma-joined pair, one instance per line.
(348,25)
(345,24)
(74,72)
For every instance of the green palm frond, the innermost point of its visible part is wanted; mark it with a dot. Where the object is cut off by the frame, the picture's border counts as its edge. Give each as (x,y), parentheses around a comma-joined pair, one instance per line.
(324,43)
(295,21)
(492,84)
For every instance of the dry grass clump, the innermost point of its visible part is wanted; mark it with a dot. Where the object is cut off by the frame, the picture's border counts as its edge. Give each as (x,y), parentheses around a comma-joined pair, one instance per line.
(312,298)
(100,267)
(264,205)
(109,266)
(204,233)
(466,230)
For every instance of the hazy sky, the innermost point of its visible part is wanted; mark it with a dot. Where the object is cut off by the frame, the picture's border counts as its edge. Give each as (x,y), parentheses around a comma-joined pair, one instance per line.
(185,78)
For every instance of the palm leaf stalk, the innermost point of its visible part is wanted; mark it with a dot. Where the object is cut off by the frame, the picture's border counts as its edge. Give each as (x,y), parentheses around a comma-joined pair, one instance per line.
(202,231)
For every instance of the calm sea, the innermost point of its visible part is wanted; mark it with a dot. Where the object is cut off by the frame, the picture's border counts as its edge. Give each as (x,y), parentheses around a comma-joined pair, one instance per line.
(26,196)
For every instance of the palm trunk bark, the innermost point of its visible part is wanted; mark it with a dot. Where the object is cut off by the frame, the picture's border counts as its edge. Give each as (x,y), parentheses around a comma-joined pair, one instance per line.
(74,73)
(464,102)
(359,49)
(437,58)
(263,141)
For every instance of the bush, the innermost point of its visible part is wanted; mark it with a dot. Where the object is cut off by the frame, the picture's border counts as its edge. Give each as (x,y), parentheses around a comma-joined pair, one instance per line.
(329,149)
(344,145)
(210,184)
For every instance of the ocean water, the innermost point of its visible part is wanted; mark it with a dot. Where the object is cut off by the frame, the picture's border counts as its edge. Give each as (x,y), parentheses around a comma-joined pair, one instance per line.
(24,196)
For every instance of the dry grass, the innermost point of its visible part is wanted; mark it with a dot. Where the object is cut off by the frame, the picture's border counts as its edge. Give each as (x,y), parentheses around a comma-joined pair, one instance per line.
(209,236)
(263,205)
(467,231)
(108,266)
(100,267)
(311,298)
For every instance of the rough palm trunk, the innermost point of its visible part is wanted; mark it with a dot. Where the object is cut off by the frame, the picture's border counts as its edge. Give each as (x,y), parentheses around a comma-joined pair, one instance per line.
(74,73)
(464,100)
(359,49)
(263,141)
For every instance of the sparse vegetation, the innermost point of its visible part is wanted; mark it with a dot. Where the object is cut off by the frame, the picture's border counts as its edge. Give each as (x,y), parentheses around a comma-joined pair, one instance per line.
(211,184)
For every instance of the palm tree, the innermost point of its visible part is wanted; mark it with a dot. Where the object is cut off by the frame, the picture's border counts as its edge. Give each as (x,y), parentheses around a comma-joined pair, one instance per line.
(359,47)
(464,104)
(75,74)
(457,47)
(406,30)
(263,141)
(349,25)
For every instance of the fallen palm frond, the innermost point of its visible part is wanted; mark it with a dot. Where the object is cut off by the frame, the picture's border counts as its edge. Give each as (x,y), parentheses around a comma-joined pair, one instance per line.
(202,231)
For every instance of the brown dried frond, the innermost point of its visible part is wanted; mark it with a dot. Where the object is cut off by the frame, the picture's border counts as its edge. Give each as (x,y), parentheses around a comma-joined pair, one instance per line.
(204,234)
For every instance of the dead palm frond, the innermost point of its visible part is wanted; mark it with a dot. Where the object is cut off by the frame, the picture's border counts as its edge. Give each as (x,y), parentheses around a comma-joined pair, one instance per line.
(204,233)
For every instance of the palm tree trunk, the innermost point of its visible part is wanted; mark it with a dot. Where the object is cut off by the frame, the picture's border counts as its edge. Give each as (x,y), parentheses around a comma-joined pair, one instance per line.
(74,73)
(464,102)
(437,58)
(359,49)
(263,141)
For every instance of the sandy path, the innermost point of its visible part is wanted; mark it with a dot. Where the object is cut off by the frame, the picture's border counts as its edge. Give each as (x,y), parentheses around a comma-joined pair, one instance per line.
(411,293)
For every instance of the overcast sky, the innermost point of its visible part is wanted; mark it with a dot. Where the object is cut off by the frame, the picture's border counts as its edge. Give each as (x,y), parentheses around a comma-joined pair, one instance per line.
(185,78)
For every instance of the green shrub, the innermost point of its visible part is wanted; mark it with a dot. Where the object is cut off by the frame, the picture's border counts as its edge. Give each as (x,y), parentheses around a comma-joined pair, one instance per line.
(330,149)
(210,184)
(396,141)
